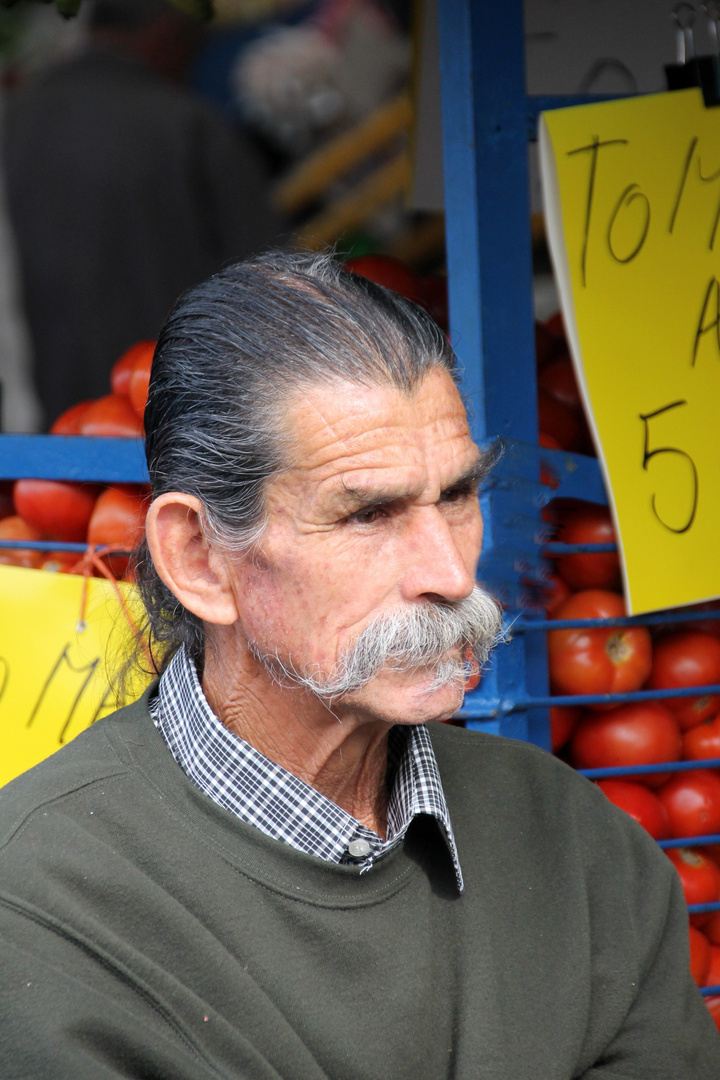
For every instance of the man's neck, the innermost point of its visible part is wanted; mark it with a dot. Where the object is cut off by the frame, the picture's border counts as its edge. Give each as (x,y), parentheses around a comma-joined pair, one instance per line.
(340,754)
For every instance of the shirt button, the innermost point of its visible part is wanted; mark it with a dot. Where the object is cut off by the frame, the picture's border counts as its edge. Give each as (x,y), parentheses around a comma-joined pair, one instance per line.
(358,849)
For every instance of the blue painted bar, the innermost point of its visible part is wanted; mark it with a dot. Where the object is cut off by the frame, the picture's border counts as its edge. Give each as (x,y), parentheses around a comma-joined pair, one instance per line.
(577,475)
(660,767)
(709,991)
(520,626)
(482,705)
(556,547)
(73,457)
(50,545)
(609,699)
(690,841)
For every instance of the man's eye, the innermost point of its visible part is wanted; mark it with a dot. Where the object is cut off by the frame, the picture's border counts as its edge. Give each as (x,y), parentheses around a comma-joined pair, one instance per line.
(455,494)
(367,516)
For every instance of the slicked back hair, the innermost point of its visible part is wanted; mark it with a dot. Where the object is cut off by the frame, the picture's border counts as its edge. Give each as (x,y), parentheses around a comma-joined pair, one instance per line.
(235,351)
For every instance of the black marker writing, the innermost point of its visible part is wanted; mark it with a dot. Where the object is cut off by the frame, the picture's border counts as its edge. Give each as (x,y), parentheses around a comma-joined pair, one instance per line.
(593,149)
(649,454)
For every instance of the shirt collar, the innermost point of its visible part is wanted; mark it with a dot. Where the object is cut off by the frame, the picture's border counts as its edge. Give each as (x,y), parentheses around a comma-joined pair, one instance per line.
(264,794)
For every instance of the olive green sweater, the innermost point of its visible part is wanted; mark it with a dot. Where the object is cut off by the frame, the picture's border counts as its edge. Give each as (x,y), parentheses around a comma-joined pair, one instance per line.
(147,933)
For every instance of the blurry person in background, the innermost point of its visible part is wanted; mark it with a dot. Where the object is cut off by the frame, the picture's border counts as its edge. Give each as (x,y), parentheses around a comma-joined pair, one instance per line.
(123,190)
(19,406)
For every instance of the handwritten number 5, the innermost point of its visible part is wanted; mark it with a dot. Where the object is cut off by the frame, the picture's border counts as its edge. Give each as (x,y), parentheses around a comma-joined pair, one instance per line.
(649,454)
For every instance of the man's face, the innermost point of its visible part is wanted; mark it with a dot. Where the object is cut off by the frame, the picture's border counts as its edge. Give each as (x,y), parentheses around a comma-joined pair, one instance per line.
(379,512)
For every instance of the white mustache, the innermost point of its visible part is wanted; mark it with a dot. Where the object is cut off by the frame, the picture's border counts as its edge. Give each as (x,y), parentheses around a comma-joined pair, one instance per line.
(410,638)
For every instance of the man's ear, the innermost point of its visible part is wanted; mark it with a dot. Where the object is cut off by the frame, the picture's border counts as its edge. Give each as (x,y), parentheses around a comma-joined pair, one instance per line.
(195,572)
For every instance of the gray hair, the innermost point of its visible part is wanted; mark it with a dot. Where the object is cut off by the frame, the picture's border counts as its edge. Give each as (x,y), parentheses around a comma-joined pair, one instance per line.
(234,352)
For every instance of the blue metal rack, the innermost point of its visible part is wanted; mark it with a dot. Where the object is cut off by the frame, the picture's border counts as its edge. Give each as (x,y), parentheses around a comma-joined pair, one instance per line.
(487,120)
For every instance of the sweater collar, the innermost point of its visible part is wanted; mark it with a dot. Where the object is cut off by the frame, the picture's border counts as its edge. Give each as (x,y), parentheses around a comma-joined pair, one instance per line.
(264,794)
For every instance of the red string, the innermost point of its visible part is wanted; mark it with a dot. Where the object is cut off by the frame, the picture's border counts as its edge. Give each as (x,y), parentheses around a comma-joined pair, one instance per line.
(92,560)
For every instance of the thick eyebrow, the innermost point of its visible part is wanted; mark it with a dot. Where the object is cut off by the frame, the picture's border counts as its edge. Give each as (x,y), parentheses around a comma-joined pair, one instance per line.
(355,499)
(476,473)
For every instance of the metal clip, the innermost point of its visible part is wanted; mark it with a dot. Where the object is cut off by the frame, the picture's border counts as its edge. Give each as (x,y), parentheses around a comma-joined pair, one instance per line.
(712,13)
(685,36)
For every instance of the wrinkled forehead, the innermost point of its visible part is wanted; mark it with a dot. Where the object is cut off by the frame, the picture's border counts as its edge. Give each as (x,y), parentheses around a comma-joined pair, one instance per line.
(326,418)
(378,442)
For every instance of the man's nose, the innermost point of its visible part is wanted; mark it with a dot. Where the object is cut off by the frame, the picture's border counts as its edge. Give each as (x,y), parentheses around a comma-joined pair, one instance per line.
(438,567)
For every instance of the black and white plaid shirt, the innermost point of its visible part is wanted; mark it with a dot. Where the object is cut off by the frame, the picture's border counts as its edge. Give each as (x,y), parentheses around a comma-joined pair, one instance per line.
(241,779)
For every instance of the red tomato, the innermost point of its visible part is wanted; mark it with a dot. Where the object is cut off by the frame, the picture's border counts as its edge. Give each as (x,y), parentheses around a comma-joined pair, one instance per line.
(118,518)
(597,660)
(692,801)
(563,721)
(7,506)
(687,658)
(562,423)
(140,381)
(122,369)
(390,272)
(546,344)
(112,415)
(702,741)
(58,509)
(699,877)
(641,733)
(548,441)
(639,802)
(713,1004)
(434,289)
(558,378)
(68,423)
(699,956)
(599,570)
(711,929)
(709,625)
(556,326)
(14,528)
(713,976)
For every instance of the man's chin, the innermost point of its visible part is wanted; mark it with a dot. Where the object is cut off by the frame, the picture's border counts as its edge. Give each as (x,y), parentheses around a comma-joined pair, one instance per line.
(408,697)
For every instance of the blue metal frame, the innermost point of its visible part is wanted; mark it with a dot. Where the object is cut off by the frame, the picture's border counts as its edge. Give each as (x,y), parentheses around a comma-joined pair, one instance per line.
(73,457)
(485,116)
(487,120)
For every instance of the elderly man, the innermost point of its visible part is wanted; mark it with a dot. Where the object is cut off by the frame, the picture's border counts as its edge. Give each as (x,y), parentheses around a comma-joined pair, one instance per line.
(270,867)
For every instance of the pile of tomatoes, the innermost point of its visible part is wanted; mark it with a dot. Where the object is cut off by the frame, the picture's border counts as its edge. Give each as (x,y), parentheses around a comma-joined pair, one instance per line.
(429,291)
(561,416)
(107,517)
(606,659)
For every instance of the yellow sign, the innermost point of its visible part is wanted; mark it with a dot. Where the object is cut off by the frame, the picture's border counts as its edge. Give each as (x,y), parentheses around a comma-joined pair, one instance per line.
(59,660)
(632,193)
